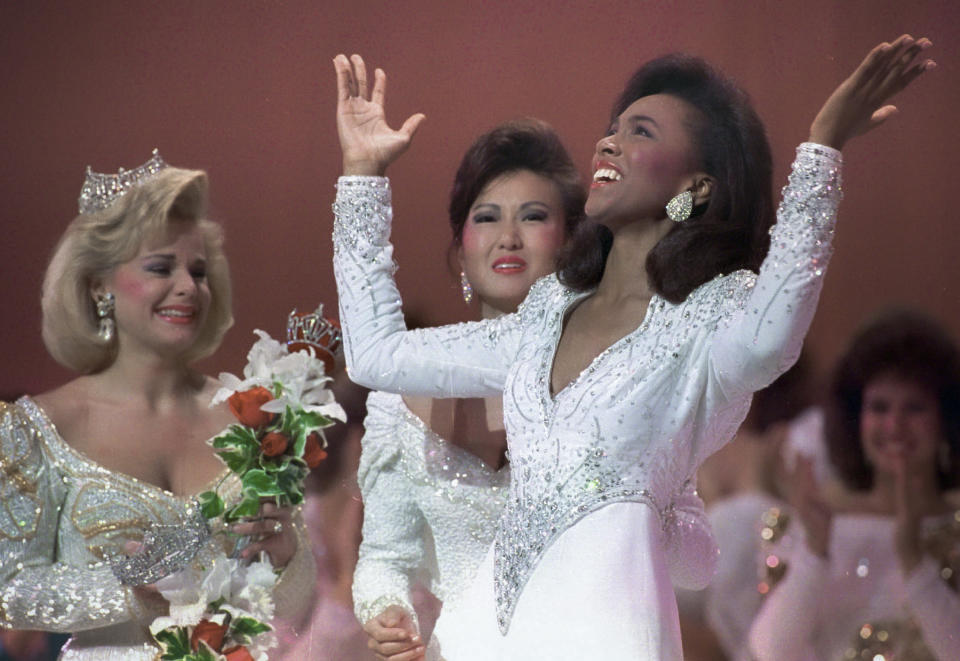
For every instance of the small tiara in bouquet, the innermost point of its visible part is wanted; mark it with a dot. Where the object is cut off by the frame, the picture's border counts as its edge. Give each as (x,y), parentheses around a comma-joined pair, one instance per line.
(317,332)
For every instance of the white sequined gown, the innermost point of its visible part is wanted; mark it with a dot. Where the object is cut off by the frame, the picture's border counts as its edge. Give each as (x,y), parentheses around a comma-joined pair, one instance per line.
(858,603)
(61,515)
(579,566)
(430,510)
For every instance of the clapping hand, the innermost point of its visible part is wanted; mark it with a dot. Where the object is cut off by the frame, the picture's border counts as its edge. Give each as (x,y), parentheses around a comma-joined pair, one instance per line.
(813,512)
(368,144)
(859,104)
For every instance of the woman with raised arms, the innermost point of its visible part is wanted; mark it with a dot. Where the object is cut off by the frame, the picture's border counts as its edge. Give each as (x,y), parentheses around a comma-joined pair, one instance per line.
(621,374)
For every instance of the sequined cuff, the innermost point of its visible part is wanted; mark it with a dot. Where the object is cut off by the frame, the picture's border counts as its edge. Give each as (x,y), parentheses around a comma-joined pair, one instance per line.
(366,611)
(362,214)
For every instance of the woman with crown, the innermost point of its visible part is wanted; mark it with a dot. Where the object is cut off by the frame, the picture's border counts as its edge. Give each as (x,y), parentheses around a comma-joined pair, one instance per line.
(137,289)
(620,376)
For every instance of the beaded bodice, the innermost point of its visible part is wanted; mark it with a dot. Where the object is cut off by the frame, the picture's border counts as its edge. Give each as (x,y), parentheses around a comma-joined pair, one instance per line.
(431,509)
(645,413)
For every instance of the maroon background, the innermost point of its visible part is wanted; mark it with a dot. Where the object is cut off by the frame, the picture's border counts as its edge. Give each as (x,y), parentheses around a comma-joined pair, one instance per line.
(246,90)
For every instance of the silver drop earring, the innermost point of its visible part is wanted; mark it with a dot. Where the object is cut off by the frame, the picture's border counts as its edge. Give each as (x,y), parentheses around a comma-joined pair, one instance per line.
(680,207)
(105,304)
(465,288)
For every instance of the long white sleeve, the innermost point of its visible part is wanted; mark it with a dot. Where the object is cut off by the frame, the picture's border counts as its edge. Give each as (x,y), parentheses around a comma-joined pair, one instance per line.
(766,338)
(460,360)
(393,546)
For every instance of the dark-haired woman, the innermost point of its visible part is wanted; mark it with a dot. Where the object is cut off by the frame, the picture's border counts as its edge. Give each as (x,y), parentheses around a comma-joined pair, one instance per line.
(873,571)
(618,385)
(432,471)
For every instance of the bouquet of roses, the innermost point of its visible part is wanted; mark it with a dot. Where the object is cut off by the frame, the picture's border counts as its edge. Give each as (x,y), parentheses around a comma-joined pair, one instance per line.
(219,606)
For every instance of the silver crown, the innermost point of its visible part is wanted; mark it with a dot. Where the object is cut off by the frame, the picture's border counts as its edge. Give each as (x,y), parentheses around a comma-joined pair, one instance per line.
(101,190)
(315,330)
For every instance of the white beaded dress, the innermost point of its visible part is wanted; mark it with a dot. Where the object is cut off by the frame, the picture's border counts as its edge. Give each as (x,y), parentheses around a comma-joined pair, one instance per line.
(858,603)
(430,510)
(61,516)
(579,565)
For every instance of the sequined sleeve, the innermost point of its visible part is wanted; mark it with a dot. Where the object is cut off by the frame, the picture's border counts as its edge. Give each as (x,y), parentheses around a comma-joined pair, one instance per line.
(393,547)
(36,590)
(766,335)
(460,360)
(692,550)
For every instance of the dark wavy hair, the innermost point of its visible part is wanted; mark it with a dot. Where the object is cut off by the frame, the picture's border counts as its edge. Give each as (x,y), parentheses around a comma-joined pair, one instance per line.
(729,231)
(522,144)
(908,346)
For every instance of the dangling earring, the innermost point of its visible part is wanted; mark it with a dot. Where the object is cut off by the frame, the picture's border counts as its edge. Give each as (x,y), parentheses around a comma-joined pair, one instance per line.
(680,207)
(465,288)
(105,305)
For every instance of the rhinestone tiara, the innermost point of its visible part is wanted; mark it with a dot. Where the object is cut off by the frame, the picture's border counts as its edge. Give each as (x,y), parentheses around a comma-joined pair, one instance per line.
(101,190)
(316,331)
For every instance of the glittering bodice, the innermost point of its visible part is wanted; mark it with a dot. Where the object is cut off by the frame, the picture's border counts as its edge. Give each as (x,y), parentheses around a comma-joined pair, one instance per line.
(636,424)
(431,509)
(62,515)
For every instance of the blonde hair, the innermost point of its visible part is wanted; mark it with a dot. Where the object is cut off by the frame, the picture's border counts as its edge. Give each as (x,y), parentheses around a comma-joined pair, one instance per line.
(96,243)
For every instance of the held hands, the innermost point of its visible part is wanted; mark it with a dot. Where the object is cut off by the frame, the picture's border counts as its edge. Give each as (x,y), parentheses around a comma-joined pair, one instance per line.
(272,532)
(393,636)
(367,143)
(858,105)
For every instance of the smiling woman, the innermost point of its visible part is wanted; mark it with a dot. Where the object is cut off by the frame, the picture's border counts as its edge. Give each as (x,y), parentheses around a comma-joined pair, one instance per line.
(614,393)
(137,289)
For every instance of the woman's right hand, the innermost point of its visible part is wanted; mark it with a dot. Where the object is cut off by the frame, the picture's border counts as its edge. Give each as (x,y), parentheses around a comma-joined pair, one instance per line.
(368,144)
(393,636)
(813,512)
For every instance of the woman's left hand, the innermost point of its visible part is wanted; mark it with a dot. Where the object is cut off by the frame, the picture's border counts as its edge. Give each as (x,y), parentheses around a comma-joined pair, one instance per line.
(907,534)
(272,532)
(860,103)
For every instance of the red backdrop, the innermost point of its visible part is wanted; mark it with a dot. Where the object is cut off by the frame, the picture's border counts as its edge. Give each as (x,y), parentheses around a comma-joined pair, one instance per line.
(246,90)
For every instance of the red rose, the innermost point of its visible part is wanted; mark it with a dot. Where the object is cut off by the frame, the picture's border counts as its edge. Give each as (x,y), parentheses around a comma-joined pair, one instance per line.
(246,407)
(313,452)
(209,632)
(274,443)
(238,653)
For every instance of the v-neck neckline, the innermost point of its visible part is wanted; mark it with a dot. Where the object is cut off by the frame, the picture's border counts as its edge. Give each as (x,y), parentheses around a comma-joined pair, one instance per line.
(551,356)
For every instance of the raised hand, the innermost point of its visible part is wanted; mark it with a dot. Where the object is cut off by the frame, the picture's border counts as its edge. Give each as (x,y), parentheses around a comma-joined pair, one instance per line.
(368,144)
(393,636)
(859,104)
(811,509)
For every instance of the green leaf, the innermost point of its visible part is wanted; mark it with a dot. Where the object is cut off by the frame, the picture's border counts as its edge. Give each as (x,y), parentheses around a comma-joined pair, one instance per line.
(260,482)
(211,504)
(206,653)
(174,643)
(239,460)
(245,628)
(249,506)
(300,442)
(315,420)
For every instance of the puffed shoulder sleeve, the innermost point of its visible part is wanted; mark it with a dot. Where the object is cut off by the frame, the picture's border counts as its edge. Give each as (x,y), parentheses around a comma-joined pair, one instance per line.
(393,547)
(692,550)
(37,589)
(768,329)
(461,360)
